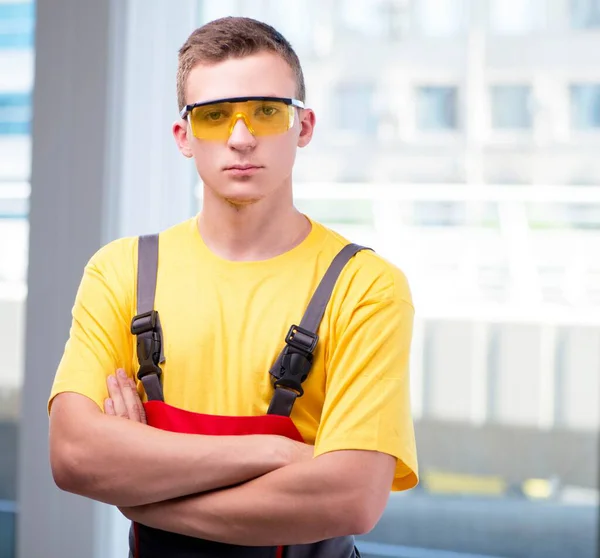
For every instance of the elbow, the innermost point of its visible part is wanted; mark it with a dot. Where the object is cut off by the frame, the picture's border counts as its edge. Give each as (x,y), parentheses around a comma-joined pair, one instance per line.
(364,514)
(67,468)
(362,523)
(74,470)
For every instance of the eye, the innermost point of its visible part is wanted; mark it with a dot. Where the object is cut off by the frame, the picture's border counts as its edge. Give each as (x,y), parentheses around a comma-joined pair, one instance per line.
(213,116)
(267,110)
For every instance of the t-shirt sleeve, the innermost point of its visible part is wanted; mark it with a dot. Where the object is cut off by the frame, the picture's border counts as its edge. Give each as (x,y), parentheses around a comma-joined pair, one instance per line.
(99,340)
(367,401)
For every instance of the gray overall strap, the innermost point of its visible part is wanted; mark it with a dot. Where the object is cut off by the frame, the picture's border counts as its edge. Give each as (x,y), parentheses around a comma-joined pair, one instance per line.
(146,324)
(293,364)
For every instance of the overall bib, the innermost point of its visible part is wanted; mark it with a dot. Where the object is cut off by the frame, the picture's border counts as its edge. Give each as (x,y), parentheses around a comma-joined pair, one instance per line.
(289,371)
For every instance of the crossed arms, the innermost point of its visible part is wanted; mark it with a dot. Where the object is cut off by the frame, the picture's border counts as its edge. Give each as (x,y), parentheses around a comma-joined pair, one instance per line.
(247,490)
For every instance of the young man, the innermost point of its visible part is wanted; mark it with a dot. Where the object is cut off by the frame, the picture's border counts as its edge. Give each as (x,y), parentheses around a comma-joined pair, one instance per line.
(229,284)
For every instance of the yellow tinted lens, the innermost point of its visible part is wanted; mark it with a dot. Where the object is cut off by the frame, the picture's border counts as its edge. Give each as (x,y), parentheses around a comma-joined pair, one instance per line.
(211,121)
(269,117)
(217,120)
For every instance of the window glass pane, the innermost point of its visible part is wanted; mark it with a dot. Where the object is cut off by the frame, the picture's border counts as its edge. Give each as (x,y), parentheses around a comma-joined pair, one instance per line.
(500,290)
(440,18)
(436,108)
(511,106)
(585,14)
(585,106)
(505,361)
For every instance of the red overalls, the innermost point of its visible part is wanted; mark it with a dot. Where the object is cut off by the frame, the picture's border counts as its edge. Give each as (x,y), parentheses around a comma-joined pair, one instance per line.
(290,370)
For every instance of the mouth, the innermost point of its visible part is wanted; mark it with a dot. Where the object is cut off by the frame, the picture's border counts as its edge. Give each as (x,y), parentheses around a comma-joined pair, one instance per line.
(242,170)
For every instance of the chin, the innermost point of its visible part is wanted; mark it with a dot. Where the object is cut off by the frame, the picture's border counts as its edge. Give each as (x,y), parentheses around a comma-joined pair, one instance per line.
(241,201)
(243,192)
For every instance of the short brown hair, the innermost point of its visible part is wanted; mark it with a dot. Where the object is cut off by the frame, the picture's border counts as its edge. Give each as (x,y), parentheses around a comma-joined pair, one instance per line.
(233,37)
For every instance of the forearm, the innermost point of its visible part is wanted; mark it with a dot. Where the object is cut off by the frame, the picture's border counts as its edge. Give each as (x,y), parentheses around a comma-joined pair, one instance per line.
(298,504)
(125,463)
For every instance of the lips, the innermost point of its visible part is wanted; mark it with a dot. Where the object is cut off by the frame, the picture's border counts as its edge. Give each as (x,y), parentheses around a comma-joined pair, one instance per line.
(242,167)
(242,171)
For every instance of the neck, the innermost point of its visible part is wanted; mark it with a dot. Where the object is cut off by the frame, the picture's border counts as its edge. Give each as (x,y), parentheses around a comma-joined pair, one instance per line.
(256,231)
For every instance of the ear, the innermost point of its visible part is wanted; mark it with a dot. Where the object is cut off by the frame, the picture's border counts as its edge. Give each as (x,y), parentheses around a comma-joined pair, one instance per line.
(182,139)
(307,126)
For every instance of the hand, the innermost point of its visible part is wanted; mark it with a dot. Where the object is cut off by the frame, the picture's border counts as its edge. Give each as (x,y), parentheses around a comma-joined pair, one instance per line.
(124,400)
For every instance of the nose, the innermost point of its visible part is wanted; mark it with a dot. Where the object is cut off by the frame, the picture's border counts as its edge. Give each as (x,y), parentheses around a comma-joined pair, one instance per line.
(241,138)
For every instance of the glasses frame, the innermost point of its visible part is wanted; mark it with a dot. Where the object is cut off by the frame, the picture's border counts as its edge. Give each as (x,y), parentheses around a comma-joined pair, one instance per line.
(185,111)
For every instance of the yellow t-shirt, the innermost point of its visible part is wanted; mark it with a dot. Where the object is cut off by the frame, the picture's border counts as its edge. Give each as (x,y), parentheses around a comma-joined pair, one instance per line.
(224,324)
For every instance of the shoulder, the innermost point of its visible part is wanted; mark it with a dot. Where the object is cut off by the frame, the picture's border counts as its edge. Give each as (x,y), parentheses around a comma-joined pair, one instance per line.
(114,255)
(368,276)
(120,255)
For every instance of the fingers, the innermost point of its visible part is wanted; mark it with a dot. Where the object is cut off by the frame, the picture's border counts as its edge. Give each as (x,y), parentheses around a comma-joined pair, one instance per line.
(130,396)
(138,402)
(116,395)
(126,402)
(109,408)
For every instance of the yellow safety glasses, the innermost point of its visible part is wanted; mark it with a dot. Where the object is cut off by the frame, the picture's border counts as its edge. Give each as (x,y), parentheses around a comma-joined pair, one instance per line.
(263,116)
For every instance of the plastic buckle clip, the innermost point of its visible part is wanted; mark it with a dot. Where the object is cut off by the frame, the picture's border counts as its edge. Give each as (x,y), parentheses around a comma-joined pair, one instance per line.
(148,346)
(143,323)
(297,359)
(148,353)
(302,339)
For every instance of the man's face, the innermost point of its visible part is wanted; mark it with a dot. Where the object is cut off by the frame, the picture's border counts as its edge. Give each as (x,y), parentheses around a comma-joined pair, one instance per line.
(244,168)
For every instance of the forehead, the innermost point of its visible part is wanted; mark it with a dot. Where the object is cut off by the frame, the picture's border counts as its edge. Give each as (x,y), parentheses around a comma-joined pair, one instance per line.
(261,74)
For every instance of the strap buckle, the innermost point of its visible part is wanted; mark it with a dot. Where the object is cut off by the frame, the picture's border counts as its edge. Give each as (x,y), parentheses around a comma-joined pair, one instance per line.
(302,339)
(297,359)
(148,353)
(143,323)
(148,346)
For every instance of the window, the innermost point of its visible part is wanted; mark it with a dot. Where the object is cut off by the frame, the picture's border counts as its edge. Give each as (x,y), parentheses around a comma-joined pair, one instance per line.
(585,106)
(517,17)
(436,108)
(16,25)
(354,108)
(15,113)
(585,14)
(440,18)
(511,107)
